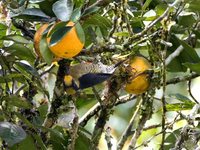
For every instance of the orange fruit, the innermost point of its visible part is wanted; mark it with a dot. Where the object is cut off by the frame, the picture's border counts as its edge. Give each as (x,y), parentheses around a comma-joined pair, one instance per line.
(69,46)
(139,79)
(38,37)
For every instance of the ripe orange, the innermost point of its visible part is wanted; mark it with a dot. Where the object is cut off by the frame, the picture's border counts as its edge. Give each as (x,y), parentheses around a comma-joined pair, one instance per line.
(38,37)
(69,46)
(139,79)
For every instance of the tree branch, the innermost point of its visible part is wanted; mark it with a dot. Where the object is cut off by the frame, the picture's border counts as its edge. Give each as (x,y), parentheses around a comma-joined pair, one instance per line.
(182,78)
(109,100)
(96,108)
(145,114)
(125,134)
(152,24)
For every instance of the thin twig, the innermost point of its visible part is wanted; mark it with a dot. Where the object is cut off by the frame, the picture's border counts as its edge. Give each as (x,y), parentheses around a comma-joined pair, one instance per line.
(182,78)
(149,140)
(125,134)
(95,109)
(190,91)
(174,55)
(163,100)
(145,114)
(108,138)
(152,24)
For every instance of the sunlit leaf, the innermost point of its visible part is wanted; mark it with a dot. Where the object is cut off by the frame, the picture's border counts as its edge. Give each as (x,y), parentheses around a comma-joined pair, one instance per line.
(180,106)
(63,9)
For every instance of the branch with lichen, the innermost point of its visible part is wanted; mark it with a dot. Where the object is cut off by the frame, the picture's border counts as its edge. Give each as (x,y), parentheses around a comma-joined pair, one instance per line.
(97,107)
(145,113)
(60,103)
(182,78)
(127,131)
(109,99)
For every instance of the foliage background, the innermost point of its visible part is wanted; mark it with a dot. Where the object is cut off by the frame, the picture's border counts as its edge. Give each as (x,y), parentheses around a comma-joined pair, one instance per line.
(166,116)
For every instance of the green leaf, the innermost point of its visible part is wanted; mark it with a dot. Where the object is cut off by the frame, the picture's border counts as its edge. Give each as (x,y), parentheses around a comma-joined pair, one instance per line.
(81,101)
(63,9)
(13,76)
(23,118)
(78,3)
(122,34)
(59,34)
(11,133)
(146,4)
(180,106)
(190,52)
(160,9)
(55,134)
(83,141)
(171,138)
(76,15)
(194,5)
(35,1)
(181,98)
(80,32)
(197,33)
(16,38)
(46,7)
(17,101)
(186,20)
(40,142)
(188,55)
(43,110)
(33,14)
(90,11)
(193,67)
(3,29)
(28,142)
(27,68)
(99,21)
(21,52)
(46,53)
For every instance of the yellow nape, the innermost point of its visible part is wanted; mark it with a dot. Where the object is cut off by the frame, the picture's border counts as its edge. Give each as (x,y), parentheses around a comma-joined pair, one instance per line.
(68,80)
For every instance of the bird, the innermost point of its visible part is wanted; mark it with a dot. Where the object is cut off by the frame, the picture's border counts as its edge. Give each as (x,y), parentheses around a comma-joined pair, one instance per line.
(87,74)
